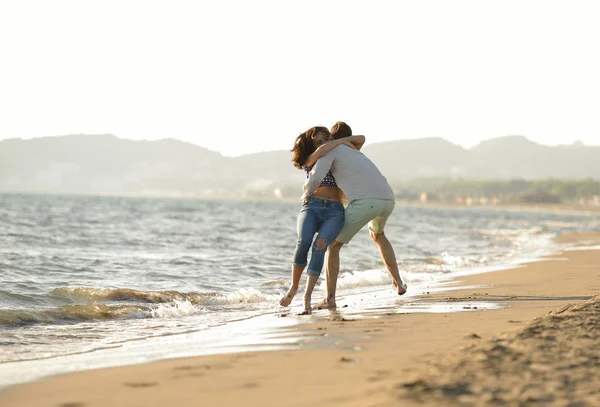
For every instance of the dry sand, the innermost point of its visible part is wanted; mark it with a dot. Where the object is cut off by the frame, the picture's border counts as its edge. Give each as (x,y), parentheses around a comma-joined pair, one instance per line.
(479,357)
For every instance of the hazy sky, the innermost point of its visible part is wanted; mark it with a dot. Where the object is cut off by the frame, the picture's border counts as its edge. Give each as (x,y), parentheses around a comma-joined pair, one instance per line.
(244,76)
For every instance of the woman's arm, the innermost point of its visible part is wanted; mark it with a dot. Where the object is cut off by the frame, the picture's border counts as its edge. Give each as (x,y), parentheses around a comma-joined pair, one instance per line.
(356,141)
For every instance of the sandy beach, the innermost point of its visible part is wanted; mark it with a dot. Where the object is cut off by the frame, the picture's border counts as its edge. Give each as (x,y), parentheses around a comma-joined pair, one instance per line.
(542,347)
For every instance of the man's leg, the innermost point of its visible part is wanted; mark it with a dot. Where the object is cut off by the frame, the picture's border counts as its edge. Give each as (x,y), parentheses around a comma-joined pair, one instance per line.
(376,227)
(389,259)
(332,269)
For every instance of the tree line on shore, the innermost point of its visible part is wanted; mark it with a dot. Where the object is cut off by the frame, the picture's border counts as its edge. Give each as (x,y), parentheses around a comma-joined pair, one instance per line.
(504,191)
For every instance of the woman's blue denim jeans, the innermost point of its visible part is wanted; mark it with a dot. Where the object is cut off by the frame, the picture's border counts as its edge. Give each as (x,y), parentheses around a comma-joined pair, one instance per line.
(317,215)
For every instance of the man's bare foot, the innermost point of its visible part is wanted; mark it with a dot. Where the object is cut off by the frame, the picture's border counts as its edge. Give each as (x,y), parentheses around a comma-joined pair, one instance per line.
(400,288)
(325,304)
(306,312)
(288,297)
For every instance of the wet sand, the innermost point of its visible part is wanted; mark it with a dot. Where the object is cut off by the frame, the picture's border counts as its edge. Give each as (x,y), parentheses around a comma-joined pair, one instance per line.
(476,357)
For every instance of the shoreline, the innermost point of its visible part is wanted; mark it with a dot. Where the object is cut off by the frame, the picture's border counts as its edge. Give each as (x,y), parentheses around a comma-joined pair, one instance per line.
(371,358)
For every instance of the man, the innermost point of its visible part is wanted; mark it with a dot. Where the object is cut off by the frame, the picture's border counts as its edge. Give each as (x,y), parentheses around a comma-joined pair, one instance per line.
(371,200)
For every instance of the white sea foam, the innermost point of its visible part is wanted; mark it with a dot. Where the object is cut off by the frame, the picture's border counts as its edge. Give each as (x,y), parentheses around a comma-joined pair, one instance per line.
(176,309)
(243,296)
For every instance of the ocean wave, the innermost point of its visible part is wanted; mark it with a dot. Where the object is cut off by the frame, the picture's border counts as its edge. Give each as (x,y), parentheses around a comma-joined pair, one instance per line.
(71,313)
(244,295)
(148,304)
(8,296)
(129,294)
(96,312)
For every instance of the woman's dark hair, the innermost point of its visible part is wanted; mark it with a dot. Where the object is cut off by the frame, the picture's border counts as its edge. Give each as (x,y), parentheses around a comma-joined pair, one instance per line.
(305,145)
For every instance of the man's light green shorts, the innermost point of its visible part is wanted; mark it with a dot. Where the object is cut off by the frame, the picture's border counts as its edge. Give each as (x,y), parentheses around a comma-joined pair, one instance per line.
(359,212)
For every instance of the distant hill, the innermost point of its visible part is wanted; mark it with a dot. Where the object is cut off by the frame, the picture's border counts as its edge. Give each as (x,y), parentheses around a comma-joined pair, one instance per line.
(518,157)
(106,164)
(430,157)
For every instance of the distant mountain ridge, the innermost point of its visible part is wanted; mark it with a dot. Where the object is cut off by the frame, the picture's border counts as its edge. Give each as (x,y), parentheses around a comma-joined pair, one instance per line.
(104,163)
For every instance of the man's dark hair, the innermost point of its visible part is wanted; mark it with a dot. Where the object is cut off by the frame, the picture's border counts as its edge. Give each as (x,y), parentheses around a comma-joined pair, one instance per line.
(340,130)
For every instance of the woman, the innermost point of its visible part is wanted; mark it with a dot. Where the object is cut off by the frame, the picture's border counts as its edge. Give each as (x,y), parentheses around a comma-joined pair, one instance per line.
(323,212)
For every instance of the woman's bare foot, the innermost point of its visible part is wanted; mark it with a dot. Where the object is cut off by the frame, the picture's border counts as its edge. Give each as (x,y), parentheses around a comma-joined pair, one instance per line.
(325,304)
(307,307)
(400,288)
(288,297)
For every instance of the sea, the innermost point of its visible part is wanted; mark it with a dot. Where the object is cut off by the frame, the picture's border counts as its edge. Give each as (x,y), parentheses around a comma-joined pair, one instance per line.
(94,281)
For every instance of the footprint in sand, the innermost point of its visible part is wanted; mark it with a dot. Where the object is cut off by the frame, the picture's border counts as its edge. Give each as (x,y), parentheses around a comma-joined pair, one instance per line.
(141,384)
(245,356)
(206,367)
(72,404)
(379,375)
(190,370)
(190,374)
(472,336)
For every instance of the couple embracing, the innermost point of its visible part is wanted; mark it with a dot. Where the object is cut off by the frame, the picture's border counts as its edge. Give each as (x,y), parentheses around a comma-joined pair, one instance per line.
(335,167)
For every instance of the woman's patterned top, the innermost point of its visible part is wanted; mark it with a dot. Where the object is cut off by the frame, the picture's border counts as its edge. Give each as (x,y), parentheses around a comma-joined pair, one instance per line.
(328,181)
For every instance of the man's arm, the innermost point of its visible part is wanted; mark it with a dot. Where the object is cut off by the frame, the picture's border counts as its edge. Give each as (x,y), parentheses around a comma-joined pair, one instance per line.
(317,174)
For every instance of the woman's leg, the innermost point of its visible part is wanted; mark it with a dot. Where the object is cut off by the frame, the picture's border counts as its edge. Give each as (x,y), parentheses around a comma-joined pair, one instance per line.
(333,221)
(307,226)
